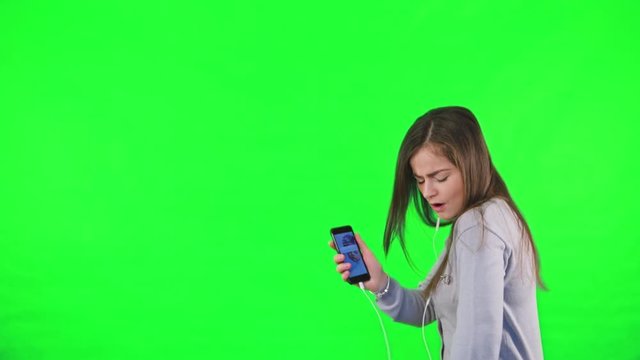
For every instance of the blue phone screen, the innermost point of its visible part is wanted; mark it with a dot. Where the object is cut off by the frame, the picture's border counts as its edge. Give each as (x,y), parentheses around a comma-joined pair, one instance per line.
(347,245)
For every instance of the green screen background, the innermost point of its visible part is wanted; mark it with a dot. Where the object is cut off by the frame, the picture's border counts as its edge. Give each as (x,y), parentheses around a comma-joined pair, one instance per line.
(170,169)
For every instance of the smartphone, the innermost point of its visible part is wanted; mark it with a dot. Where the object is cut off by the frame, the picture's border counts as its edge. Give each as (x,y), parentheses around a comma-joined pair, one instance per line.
(345,242)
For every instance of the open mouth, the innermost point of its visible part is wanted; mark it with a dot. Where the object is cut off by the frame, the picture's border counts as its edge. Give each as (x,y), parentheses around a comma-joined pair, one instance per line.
(437,206)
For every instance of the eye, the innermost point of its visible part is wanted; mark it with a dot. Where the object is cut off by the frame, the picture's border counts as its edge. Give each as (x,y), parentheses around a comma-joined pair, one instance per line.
(419,181)
(443,179)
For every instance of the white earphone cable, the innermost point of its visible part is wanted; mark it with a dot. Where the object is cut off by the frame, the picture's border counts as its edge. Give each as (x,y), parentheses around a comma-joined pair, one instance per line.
(424,314)
(433,240)
(424,338)
(426,306)
(384,332)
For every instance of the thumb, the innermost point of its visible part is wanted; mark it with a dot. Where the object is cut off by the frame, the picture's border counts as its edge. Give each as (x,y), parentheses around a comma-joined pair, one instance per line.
(361,244)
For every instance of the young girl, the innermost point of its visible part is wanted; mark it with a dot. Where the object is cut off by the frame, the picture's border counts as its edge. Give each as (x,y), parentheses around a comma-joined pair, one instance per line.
(482,289)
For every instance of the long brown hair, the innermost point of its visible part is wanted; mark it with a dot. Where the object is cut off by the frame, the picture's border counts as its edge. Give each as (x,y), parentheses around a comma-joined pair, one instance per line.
(455,133)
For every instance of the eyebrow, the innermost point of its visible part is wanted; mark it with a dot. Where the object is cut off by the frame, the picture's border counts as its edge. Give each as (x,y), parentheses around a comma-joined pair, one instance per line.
(433,173)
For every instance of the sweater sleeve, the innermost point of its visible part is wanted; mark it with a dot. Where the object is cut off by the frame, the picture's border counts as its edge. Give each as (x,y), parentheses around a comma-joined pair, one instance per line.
(406,306)
(480,268)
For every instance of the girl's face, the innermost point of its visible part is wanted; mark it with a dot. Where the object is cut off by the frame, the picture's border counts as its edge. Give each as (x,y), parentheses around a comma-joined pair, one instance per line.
(439,181)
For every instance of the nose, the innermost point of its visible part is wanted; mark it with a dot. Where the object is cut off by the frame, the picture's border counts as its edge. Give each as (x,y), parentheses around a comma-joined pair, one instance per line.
(429,191)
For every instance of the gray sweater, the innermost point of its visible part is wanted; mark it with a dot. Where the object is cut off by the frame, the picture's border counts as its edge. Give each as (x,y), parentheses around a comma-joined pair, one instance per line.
(485,303)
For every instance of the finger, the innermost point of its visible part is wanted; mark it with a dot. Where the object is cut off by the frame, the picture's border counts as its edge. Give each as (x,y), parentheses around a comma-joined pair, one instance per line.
(338,258)
(345,275)
(343,267)
(332,245)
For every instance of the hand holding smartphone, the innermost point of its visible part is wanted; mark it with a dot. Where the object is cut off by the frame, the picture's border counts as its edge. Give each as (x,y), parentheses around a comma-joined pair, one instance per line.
(345,243)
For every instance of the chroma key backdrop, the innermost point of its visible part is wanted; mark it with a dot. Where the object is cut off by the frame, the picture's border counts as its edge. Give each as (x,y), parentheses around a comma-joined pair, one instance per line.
(171,169)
